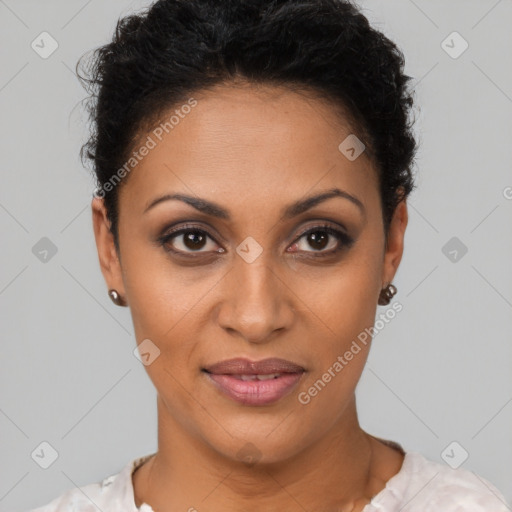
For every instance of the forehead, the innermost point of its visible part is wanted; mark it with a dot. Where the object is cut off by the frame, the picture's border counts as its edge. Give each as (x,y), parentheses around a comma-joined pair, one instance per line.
(248,141)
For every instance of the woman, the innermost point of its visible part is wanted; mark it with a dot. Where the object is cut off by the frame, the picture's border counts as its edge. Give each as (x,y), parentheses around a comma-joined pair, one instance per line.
(253,162)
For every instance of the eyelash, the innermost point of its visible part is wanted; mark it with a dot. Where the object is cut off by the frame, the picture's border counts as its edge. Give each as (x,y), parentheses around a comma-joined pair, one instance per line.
(345,240)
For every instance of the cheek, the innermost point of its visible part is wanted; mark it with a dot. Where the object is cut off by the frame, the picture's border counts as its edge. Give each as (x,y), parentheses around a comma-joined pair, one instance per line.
(342,304)
(165,311)
(159,296)
(343,300)
(166,308)
(344,308)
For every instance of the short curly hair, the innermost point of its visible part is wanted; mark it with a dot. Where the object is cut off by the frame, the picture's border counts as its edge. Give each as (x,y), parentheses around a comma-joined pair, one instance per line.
(163,54)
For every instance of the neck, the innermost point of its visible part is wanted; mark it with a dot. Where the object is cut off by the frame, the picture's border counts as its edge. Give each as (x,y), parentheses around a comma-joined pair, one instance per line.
(335,473)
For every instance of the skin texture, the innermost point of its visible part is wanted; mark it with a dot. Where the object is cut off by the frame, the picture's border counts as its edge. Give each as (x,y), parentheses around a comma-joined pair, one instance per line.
(254,150)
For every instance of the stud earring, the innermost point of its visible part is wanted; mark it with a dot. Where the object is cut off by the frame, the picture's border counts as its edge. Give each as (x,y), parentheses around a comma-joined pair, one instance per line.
(386,294)
(116,298)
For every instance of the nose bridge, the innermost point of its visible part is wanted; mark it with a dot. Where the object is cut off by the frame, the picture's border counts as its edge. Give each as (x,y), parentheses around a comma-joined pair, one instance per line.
(255,302)
(256,279)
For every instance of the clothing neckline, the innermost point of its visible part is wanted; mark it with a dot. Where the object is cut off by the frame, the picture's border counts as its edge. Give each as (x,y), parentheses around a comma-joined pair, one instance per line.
(390,495)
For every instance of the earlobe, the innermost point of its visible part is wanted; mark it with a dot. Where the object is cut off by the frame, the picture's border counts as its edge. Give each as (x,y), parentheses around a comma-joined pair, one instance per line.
(108,258)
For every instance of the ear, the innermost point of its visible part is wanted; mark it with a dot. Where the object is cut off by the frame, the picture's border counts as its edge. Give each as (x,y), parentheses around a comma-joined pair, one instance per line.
(108,257)
(395,243)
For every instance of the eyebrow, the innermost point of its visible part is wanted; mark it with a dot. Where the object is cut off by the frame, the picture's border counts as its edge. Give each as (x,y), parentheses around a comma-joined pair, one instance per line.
(292,210)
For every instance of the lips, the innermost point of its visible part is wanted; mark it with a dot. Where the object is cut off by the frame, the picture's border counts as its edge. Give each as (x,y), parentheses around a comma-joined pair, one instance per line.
(242,366)
(255,382)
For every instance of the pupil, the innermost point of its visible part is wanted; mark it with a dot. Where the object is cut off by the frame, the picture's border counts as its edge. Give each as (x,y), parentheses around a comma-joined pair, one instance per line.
(191,239)
(315,238)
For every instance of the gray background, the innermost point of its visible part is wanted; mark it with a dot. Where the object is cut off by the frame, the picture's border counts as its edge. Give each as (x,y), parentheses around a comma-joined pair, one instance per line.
(439,372)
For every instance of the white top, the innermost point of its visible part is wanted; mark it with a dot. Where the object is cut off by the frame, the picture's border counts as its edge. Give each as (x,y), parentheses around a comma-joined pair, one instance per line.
(421,485)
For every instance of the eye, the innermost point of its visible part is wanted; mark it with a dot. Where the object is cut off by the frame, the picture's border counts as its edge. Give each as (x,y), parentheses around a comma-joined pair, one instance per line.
(188,239)
(318,238)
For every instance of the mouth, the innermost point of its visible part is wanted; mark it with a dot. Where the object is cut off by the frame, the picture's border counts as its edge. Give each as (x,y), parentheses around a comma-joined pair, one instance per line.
(258,376)
(255,383)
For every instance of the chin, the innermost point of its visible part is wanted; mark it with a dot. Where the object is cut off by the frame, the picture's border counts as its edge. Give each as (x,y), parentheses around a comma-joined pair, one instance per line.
(269,439)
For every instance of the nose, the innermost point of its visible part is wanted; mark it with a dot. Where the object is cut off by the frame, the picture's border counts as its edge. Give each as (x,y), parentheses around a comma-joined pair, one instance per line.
(256,302)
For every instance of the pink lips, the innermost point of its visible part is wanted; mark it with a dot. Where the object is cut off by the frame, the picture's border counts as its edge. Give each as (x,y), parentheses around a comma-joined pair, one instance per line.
(255,382)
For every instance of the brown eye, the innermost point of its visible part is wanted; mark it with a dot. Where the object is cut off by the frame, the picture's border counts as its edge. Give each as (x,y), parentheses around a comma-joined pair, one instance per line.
(194,240)
(324,240)
(318,239)
(188,240)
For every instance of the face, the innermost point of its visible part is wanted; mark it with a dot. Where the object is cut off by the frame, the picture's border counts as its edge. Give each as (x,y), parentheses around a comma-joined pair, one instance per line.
(262,273)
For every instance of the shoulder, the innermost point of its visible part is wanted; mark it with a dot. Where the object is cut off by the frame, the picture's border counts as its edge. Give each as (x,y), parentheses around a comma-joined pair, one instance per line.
(84,499)
(423,485)
(113,494)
